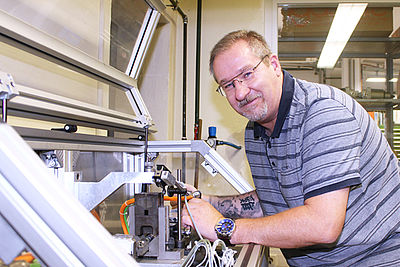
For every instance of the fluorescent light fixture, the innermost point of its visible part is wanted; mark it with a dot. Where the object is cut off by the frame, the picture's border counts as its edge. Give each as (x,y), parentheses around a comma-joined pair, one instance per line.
(376,80)
(345,21)
(380,80)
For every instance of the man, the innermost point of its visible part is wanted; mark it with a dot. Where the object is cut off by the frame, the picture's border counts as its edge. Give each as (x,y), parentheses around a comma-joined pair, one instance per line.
(327,182)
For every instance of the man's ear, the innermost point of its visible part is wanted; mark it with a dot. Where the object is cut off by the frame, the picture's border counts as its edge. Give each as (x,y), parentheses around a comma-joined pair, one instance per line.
(274,61)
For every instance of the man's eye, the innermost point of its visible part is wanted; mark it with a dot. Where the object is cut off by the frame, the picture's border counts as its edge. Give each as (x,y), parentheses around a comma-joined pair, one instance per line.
(247,75)
(228,85)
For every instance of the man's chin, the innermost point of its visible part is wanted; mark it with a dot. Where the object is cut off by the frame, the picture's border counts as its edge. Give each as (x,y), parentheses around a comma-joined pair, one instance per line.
(254,117)
(257,113)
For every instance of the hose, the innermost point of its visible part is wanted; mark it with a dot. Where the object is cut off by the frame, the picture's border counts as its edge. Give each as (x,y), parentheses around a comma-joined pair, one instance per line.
(126,204)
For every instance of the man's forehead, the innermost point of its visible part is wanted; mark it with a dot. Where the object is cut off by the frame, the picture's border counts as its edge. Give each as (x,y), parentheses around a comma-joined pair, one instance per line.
(233,61)
(240,48)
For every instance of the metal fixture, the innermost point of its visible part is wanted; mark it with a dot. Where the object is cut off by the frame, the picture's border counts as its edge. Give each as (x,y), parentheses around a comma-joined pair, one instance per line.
(8,90)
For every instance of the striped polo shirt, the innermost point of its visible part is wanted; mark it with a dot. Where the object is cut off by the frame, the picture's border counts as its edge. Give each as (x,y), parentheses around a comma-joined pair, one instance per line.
(323,141)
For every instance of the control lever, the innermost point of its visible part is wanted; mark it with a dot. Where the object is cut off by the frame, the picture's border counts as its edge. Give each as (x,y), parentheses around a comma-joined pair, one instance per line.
(169,184)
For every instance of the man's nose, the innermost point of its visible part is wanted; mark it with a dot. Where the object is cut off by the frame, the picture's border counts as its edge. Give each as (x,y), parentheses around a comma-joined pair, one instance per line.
(241,90)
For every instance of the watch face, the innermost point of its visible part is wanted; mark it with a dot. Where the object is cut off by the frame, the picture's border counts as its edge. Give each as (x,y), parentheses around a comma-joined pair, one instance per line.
(225,227)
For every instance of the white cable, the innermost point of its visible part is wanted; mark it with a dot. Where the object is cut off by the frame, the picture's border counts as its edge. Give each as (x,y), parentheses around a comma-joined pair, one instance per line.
(192,254)
(191,217)
(211,258)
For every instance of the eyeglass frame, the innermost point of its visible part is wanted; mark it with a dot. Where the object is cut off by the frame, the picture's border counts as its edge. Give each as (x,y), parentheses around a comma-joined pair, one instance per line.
(221,91)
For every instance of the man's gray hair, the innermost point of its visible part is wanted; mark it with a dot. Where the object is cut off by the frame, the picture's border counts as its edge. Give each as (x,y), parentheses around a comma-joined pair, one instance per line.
(256,42)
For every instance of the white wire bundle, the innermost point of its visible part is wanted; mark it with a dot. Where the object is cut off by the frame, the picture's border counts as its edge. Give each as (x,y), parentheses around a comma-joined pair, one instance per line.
(211,259)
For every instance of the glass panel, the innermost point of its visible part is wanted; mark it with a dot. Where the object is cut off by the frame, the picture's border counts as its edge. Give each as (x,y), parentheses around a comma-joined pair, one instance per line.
(45,76)
(105,30)
(38,73)
(74,22)
(119,101)
(127,19)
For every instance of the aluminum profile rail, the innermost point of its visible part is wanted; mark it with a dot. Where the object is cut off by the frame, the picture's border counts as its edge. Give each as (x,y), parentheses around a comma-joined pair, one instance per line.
(212,157)
(47,218)
(142,42)
(47,106)
(50,140)
(39,139)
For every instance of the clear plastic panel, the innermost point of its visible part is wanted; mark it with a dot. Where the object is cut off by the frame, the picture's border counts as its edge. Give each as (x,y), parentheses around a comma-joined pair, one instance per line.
(105,30)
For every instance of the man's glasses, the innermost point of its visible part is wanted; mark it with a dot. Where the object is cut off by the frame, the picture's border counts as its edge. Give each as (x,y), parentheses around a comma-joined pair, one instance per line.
(245,77)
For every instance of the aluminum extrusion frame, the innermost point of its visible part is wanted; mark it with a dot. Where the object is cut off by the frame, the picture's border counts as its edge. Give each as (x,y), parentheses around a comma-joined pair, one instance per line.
(49,219)
(212,157)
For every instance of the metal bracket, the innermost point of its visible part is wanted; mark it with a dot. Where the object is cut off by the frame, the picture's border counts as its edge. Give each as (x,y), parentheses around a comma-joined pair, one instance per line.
(90,194)
(8,88)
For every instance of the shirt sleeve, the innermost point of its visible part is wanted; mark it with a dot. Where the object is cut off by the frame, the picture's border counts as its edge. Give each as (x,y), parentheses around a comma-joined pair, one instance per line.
(330,149)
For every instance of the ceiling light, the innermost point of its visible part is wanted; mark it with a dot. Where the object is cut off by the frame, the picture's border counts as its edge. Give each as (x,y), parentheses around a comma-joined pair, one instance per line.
(380,80)
(345,21)
(376,80)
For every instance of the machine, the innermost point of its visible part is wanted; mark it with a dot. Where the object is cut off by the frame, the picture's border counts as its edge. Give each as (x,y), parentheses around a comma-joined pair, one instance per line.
(89,199)
(156,236)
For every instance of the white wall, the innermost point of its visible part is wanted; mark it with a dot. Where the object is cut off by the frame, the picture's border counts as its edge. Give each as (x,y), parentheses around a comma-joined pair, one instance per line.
(218,18)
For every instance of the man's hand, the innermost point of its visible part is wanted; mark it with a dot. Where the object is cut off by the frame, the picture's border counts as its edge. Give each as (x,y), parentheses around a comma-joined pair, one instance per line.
(204,215)
(190,189)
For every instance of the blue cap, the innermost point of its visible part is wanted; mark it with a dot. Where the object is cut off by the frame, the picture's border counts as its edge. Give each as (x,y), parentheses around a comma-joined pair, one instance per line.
(212,131)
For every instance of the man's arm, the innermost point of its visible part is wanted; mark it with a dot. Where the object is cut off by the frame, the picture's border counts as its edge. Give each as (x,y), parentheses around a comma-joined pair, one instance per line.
(246,205)
(319,221)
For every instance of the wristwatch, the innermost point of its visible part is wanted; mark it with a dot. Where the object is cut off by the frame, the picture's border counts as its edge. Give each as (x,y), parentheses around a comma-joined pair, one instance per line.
(224,228)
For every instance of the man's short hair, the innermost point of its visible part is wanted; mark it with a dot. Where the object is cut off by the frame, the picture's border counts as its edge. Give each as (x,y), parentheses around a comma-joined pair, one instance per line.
(256,42)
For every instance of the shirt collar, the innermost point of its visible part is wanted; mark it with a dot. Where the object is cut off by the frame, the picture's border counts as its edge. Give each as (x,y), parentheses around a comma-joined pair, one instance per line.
(284,106)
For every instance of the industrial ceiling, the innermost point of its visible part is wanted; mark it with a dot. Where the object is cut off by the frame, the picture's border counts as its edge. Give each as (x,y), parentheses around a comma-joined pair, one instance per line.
(303,30)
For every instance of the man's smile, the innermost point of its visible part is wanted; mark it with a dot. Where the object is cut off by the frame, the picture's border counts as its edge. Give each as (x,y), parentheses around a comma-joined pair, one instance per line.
(249,100)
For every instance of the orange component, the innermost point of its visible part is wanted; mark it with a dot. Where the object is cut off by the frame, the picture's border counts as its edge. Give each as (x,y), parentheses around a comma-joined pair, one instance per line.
(28,257)
(131,201)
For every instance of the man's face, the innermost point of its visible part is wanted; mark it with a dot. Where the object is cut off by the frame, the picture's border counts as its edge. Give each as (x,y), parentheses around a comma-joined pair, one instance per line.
(256,99)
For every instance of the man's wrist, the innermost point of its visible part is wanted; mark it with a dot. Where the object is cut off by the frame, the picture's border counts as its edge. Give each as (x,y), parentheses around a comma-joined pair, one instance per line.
(224,228)
(235,235)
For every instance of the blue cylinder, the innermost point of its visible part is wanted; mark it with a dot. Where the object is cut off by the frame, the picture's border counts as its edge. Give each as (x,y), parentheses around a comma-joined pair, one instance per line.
(212,131)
